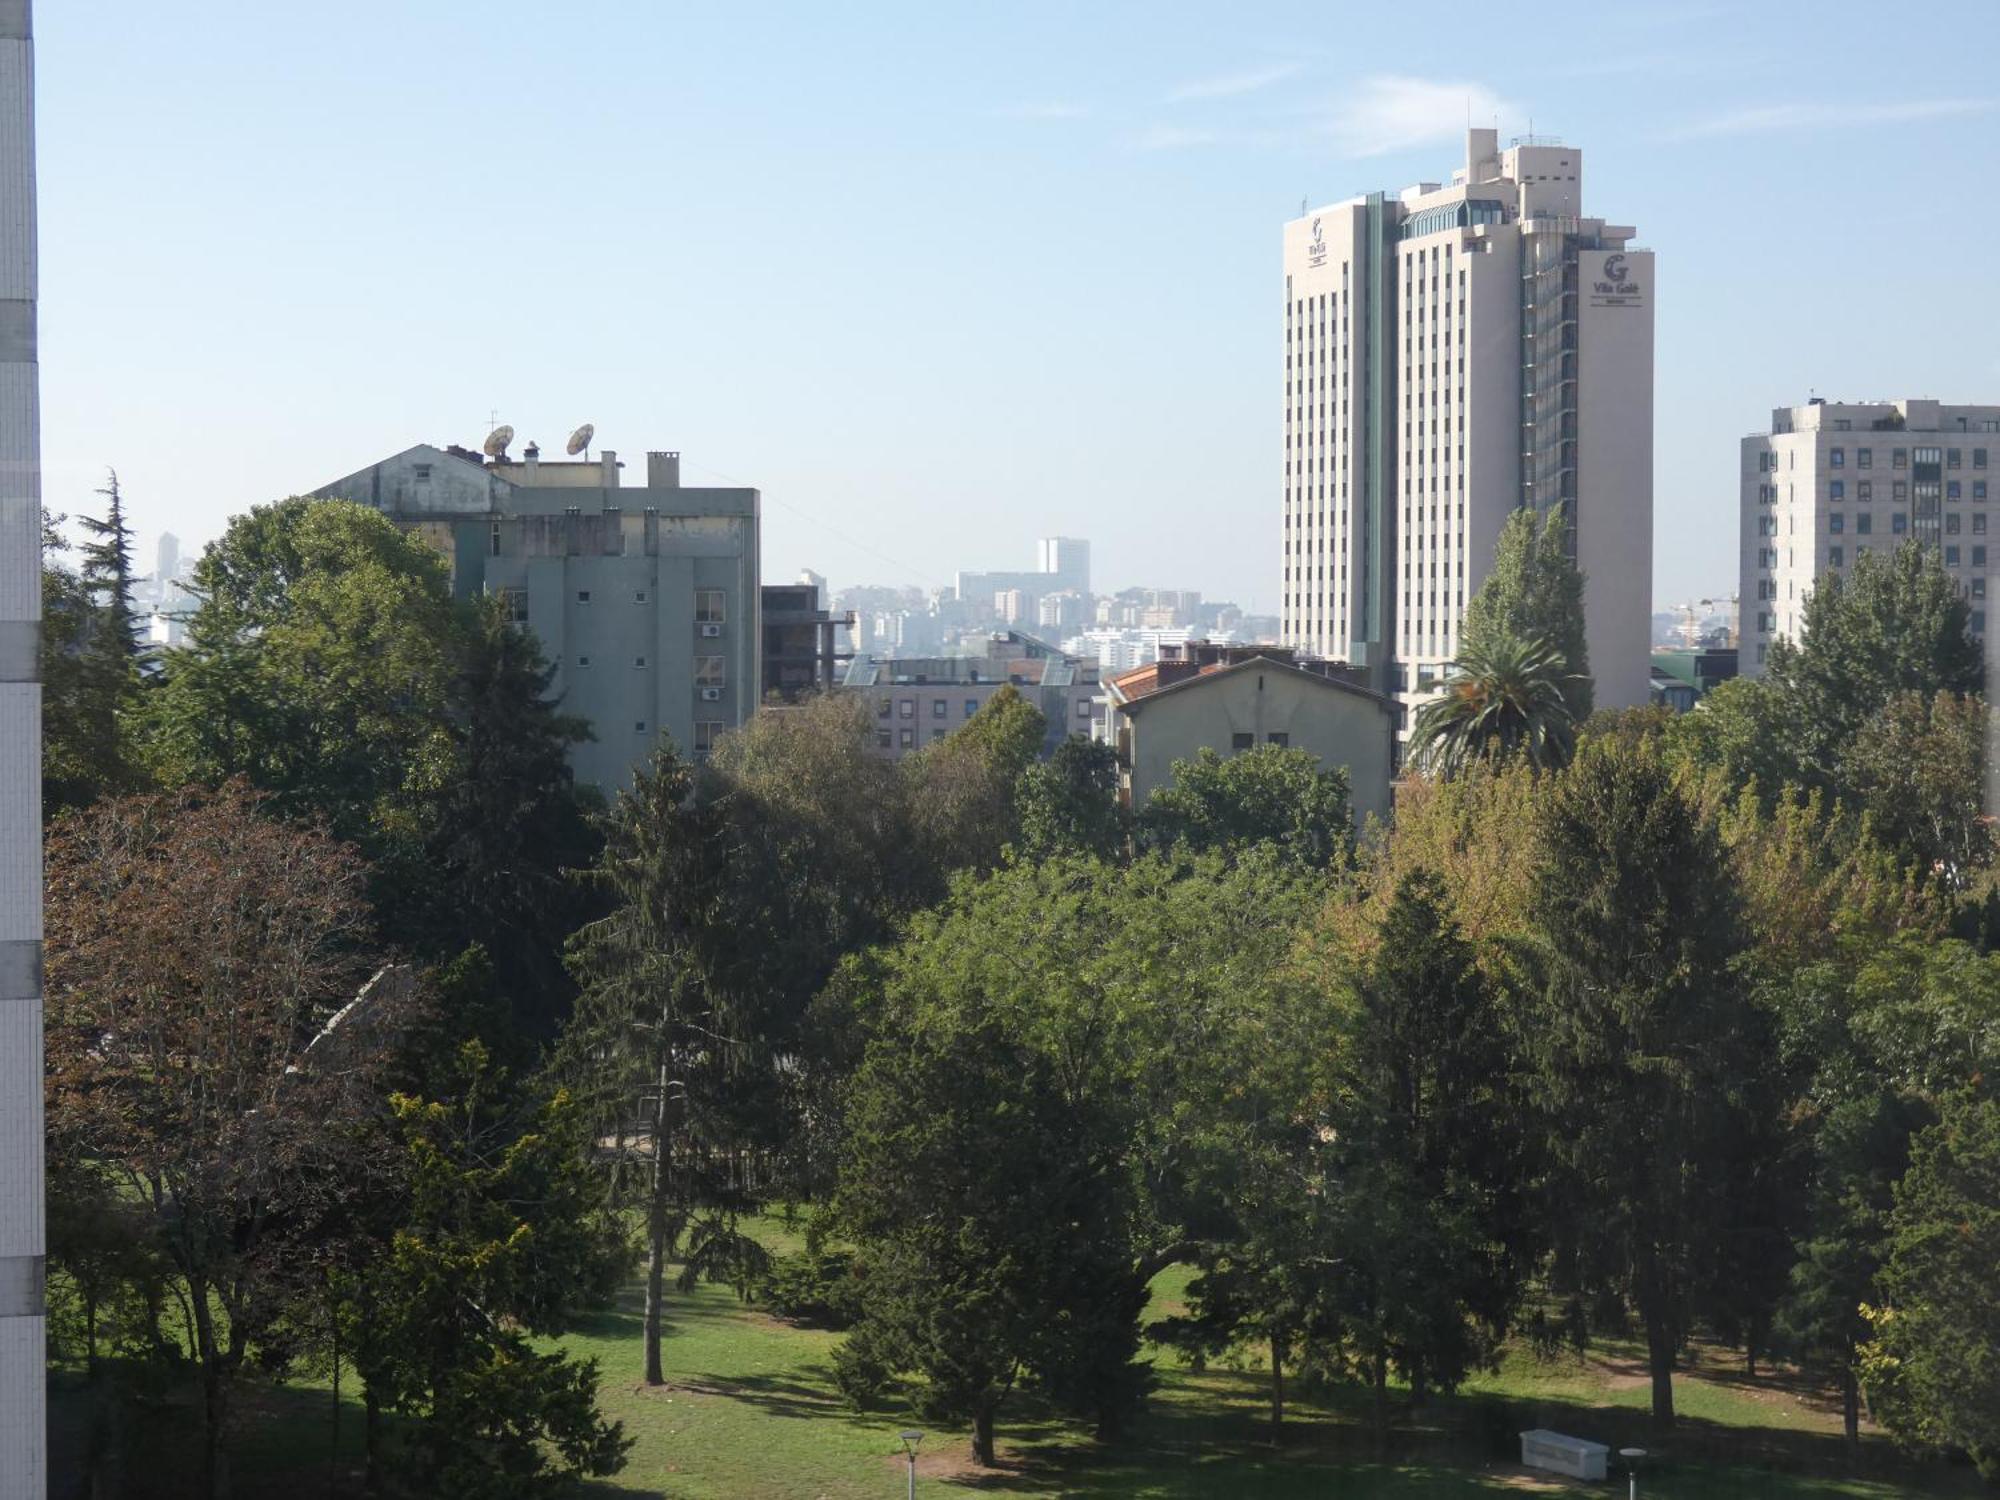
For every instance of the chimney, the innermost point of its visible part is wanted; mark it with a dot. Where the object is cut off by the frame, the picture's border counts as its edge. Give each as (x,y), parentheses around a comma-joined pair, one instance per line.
(609,462)
(533,454)
(663,471)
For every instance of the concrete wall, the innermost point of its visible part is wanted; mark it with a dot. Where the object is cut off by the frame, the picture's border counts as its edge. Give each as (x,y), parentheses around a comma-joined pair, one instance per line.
(23,1468)
(1341,727)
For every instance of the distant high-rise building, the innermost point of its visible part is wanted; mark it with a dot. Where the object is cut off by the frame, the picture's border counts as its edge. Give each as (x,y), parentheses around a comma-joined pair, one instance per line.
(1833,480)
(1452,355)
(167,561)
(23,1368)
(1066,559)
(1062,565)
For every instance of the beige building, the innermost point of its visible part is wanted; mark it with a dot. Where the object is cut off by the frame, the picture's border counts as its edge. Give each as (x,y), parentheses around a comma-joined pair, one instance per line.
(1833,480)
(1234,698)
(1451,355)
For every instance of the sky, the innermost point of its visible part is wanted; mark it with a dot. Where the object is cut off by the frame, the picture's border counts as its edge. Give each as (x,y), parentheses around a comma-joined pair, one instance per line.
(940,278)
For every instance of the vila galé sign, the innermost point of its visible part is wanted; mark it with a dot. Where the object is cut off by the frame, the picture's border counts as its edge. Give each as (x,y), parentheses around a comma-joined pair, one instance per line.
(1614,286)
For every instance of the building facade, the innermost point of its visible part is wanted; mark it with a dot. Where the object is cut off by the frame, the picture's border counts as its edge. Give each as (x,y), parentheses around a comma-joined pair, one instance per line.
(1062,565)
(644,599)
(803,653)
(1454,354)
(919,700)
(1206,696)
(23,1325)
(1833,480)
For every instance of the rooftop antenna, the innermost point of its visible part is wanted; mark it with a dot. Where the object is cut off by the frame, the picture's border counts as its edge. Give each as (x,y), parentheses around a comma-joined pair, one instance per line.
(497,441)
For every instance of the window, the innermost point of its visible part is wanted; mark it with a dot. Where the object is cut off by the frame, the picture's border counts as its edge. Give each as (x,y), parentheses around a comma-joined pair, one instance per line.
(1979,489)
(937,708)
(1951,458)
(1978,458)
(638,726)
(1899,523)
(1836,489)
(882,708)
(706,733)
(1836,523)
(1279,739)
(1979,619)
(639,597)
(1865,457)
(906,708)
(1901,490)
(708,671)
(1951,523)
(423,473)
(971,707)
(1900,458)
(938,734)
(1951,556)
(1836,556)
(906,737)
(1979,587)
(1864,523)
(708,607)
(1979,554)
(638,662)
(1083,708)
(1951,489)
(1865,490)
(583,596)
(1837,458)
(514,604)
(883,740)
(1242,741)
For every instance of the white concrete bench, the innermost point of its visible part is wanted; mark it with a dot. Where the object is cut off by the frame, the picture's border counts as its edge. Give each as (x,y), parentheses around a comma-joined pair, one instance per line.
(1542,1449)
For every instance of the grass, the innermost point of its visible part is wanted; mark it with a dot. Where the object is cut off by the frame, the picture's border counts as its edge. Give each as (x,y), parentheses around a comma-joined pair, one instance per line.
(750,1413)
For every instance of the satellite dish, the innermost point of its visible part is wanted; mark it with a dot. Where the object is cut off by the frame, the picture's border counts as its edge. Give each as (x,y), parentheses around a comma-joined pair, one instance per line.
(497,441)
(580,439)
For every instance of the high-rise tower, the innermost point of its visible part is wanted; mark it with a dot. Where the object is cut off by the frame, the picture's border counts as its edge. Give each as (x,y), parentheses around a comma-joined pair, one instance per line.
(23,1468)
(1451,355)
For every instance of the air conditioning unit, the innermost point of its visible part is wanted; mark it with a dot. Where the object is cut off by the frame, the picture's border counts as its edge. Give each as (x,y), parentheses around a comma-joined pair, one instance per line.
(711,631)
(711,695)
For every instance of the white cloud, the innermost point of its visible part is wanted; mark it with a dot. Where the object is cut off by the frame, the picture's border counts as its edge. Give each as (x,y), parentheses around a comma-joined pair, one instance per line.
(1773,117)
(1392,113)
(1048,109)
(1229,85)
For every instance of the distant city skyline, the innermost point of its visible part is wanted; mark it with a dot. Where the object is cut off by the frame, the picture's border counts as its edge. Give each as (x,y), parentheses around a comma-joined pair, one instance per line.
(1050,295)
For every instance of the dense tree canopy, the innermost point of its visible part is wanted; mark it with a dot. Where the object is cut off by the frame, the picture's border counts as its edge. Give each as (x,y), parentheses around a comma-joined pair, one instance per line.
(1271,796)
(1534,592)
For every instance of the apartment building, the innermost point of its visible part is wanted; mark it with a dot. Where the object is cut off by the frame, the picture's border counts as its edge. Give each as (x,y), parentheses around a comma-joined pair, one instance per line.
(1832,480)
(644,598)
(1453,354)
(919,700)
(23,1324)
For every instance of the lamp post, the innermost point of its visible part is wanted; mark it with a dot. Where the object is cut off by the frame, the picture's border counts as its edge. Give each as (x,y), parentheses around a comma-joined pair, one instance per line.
(1632,1457)
(910,1442)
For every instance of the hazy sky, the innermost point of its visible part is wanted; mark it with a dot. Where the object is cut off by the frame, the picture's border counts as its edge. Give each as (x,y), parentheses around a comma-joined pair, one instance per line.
(940,277)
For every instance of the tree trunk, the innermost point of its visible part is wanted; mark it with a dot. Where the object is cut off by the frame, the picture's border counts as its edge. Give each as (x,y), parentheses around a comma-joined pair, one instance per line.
(1381,1383)
(1280,1347)
(1660,1359)
(982,1433)
(656,1233)
(1850,1406)
(371,1439)
(214,1393)
(333,1448)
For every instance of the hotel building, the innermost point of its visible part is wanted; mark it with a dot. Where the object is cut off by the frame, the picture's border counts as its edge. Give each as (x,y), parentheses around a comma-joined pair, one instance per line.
(1453,354)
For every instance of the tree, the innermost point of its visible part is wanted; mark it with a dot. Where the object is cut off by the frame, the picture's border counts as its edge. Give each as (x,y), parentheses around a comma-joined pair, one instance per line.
(1430,1227)
(1653,1068)
(985,1169)
(1918,769)
(1505,695)
(501,1235)
(196,949)
(1934,1364)
(1068,804)
(107,573)
(1741,728)
(1270,795)
(1535,593)
(1893,623)
(77,760)
(962,788)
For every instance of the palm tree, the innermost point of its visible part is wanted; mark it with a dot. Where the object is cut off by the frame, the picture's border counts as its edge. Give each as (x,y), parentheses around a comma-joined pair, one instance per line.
(1505,694)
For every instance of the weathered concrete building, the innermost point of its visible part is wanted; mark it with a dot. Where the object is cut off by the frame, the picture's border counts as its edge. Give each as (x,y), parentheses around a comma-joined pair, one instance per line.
(644,598)
(1204,696)
(919,699)
(23,1370)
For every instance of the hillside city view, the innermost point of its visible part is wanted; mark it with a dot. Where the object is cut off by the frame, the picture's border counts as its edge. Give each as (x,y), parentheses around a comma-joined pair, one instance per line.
(1307,813)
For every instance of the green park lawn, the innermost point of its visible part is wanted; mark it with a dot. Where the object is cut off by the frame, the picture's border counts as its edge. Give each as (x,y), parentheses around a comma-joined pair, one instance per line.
(750,1413)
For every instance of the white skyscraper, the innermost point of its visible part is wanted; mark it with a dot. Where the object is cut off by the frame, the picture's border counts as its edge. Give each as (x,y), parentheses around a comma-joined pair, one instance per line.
(1451,355)
(1831,480)
(22,1424)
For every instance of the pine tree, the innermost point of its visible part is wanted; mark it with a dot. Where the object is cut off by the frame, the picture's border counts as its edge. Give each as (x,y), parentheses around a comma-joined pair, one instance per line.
(1535,592)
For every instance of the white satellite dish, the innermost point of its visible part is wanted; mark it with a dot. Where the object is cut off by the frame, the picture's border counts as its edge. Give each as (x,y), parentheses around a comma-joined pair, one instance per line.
(497,441)
(580,439)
